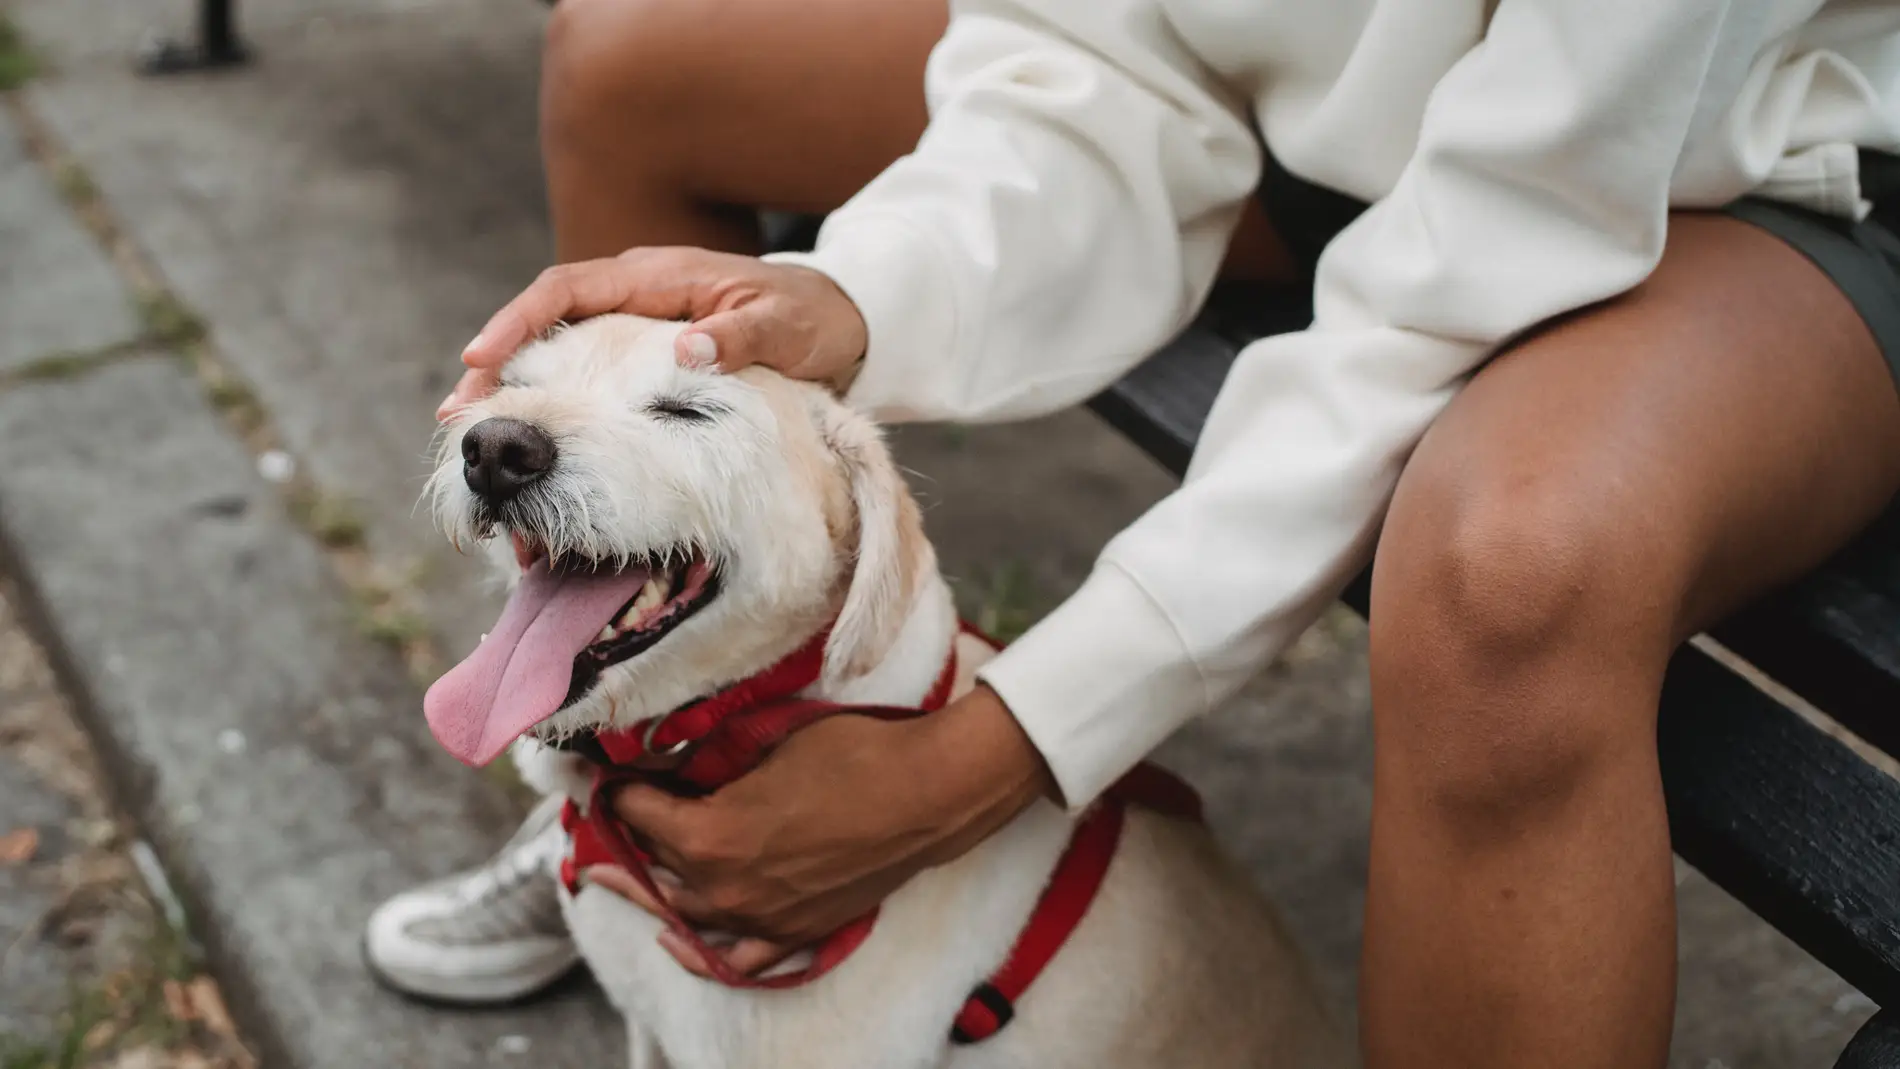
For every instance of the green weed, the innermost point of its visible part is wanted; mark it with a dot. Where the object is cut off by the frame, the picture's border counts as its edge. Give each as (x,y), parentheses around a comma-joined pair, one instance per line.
(168,321)
(1010,602)
(18,64)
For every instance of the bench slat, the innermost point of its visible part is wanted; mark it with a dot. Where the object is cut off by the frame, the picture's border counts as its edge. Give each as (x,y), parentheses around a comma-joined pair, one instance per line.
(1875,1046)
(1834,637)
(1787,819)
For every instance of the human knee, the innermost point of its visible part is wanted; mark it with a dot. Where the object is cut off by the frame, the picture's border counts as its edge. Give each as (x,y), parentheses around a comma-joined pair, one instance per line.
(1514,616)
(1496,569)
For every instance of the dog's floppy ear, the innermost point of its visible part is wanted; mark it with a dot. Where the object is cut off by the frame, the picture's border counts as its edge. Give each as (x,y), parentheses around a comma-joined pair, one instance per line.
(891,550)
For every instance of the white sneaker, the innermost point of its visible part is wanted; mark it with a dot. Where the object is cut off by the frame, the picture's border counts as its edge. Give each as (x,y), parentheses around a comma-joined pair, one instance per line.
(489,935)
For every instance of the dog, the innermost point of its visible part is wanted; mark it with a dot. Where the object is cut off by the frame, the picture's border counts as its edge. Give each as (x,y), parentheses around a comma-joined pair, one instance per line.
(717,524)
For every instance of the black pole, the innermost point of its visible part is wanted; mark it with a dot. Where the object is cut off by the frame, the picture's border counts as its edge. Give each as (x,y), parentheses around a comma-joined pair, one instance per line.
(218,29)
(217,44)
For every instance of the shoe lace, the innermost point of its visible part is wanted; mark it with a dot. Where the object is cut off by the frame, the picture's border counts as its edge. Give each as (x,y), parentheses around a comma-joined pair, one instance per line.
(489,901)
(514,867)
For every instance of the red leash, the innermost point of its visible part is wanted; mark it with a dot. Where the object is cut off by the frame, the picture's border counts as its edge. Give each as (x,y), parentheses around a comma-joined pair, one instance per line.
(701,747)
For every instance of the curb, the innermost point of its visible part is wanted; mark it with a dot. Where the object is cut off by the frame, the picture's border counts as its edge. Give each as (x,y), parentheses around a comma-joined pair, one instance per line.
(270,752)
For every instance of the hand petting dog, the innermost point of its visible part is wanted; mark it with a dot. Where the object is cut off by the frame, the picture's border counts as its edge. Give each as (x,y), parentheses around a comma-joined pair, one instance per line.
(743,310)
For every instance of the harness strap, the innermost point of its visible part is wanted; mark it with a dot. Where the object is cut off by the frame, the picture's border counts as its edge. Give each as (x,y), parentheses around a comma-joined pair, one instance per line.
(731,744)
(1078,875)
(727,735)
(616,841)
(698,720)
(1072,887)
(741,743)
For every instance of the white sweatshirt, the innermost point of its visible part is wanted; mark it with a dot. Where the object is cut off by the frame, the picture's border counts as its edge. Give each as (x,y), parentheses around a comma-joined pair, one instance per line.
(1086,163)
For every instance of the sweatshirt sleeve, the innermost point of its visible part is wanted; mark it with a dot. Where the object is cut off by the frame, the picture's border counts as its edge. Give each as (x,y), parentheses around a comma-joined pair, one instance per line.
(1540,184)
(1063,216)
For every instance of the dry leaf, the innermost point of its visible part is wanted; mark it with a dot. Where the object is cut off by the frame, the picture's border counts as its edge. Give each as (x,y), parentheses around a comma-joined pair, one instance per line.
(178,1002)
(98,832)
(209,1003)
(100,1034)
(139,1058)
(19,845)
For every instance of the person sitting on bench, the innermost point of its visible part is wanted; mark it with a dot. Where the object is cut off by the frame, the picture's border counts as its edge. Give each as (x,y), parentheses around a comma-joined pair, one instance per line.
(1606,314)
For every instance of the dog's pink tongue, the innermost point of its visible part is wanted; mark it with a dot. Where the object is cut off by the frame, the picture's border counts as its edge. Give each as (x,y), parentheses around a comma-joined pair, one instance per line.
(520,673)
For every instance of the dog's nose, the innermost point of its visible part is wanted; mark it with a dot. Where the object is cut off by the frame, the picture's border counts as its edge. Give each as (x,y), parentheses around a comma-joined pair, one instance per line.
(500,456)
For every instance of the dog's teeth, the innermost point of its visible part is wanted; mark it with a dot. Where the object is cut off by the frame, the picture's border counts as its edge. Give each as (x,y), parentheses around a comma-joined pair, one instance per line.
(606,633)
(651,597)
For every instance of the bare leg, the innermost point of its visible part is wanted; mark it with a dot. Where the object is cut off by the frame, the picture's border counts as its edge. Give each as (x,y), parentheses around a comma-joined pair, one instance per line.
(668,122)
(1612,485)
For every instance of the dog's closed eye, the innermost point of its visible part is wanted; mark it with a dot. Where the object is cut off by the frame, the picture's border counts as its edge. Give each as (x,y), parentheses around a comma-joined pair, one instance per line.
(680,408)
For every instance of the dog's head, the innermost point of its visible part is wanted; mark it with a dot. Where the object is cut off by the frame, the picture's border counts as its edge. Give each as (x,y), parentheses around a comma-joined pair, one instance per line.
(673,531)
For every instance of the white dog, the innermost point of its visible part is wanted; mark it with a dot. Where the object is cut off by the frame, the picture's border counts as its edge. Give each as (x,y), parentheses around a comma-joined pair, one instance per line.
(679,530)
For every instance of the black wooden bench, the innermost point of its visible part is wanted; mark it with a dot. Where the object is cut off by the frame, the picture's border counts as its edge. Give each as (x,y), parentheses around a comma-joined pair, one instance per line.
(1785,817)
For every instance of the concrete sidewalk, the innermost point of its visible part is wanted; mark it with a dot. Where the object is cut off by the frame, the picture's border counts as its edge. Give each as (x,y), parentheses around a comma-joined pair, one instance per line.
(340,217)
(92,960)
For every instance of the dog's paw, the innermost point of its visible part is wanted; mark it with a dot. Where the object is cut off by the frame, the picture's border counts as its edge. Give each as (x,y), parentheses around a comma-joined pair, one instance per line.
(551,771)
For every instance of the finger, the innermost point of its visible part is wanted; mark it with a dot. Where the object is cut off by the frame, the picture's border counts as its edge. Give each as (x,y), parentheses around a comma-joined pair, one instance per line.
(622,883)
(567,292)
(666,283)
(675,281)
(661,819)
(475,384)
(695,348)
(693,907)
(683,952)
(750,956)
(732,339)
(527,316)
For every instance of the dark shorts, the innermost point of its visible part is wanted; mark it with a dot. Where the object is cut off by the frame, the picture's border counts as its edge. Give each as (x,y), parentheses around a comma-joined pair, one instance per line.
(1862,258)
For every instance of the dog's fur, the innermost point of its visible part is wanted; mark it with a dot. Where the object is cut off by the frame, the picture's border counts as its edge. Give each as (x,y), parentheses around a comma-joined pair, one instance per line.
(1179,961)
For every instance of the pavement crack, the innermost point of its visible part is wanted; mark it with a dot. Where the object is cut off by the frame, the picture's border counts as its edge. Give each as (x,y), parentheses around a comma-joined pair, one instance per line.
(59,366)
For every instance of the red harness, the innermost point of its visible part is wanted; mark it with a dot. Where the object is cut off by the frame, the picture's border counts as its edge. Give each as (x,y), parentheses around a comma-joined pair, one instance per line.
(704,745)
